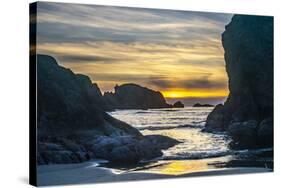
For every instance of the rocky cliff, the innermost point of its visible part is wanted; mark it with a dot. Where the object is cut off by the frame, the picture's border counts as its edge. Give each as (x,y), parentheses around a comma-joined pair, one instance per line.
(248,111)
(133,96)
(67,101)
(72,125)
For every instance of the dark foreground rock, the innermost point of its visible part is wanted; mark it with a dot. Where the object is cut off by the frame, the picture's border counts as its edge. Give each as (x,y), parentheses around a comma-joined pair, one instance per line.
(73,127)
(128,149)
(216,120)
(244,134)
(265,132)
(131,149)
(248,45)
(133,96)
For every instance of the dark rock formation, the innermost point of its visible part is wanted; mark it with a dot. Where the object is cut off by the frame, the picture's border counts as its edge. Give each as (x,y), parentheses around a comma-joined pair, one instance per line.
(65,103)
(71,117)
(202,105)
(265,133)
(244,134)
(248,45)
(133,96)
(61,152)
(216,120)
(129,149)
(178,104)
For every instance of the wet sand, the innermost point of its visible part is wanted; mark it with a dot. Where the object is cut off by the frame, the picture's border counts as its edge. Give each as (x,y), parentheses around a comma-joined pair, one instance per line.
(88,172)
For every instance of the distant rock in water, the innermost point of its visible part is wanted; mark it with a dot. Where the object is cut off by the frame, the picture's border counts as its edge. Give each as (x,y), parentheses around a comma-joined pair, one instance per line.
(71,120)
(248,45)
(178,104)
(133,96)
(202,105)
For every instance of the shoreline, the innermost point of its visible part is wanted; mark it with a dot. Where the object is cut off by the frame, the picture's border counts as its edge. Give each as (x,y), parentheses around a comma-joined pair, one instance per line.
(88,172)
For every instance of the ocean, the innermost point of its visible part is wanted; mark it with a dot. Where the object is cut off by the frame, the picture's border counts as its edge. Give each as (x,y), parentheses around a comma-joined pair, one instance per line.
(198,151)
(198,154)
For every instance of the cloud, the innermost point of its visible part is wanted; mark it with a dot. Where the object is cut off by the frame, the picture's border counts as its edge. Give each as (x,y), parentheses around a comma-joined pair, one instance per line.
(71,22)
(121,77)
(160,49)
(85,58)
(202,82)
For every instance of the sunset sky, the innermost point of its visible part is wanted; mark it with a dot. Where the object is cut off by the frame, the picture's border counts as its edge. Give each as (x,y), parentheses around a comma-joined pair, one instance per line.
(176,52)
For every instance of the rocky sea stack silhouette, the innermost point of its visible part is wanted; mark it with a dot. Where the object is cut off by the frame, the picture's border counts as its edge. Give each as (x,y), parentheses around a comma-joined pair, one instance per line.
(73,127)
(133,96)
(178,104)
(247,114)
(202,105)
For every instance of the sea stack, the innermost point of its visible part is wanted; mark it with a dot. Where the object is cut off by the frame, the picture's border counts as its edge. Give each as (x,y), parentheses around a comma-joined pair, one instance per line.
(248,110)
(178,104)
(133,96)
(202,105)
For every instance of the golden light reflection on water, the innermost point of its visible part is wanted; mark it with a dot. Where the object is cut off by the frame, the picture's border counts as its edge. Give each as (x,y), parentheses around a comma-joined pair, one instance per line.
(198,151)
(179,167)
(194,136)
(193,139)
(179,135)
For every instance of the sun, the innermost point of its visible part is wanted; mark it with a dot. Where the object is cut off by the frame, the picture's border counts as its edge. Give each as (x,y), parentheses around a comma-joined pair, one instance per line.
(180,93)
(172,95)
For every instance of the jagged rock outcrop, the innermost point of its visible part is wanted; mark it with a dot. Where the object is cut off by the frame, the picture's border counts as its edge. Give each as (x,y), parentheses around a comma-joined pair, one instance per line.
(178,104)
(248,45)
(129,149)
(65,103)
(71,118)
(133,96)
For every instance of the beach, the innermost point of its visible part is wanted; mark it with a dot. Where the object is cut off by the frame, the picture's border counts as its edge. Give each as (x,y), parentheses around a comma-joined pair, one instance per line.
(198,153)
(88,172)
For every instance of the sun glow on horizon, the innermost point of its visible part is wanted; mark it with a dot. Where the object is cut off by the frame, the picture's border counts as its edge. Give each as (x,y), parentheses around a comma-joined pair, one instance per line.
(194,93)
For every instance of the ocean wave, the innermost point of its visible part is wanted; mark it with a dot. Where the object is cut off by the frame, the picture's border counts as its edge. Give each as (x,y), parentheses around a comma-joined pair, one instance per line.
(154,128)
(165,110)
(144,112)
(213,154)
(197,155)
(179,118)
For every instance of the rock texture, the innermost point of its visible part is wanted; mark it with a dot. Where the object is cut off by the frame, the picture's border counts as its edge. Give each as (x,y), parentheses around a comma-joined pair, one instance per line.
(244,134)
(202,105)
(130,149)
(248,45)
(178,104)
(65,103)
(133,96)
(71,120)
